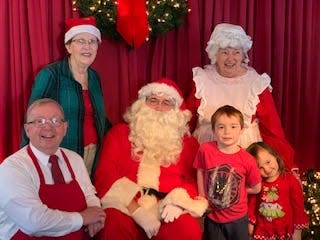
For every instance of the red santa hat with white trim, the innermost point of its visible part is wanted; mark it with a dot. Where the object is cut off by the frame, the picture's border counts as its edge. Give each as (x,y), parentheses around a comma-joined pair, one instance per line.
(163,86)
(75,26)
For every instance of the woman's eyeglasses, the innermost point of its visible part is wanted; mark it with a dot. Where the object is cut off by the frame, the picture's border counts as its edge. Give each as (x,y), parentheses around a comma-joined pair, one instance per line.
(82,42)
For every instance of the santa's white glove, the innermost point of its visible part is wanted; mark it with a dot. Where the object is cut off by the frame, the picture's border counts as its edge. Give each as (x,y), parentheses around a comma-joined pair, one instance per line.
(147,220)
(171,212)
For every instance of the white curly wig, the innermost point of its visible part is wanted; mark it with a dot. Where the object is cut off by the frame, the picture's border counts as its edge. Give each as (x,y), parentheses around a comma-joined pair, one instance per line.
(228,35)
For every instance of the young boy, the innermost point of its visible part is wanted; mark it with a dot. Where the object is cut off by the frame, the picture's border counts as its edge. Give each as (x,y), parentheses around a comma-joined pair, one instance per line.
(226,173)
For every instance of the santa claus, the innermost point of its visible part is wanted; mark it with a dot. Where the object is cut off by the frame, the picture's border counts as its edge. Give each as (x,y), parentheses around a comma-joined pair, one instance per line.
(145,177)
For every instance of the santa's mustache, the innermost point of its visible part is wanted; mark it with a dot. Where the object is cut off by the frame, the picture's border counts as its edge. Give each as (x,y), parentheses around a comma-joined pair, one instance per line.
(158,135)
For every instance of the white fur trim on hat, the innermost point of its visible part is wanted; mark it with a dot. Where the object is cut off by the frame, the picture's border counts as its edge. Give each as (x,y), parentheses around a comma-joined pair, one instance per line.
(156,88)
(85,28)
(228,35)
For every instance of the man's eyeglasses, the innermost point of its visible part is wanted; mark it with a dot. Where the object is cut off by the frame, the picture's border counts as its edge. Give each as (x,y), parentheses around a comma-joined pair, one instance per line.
(82,42)
(165,102)
(41,122)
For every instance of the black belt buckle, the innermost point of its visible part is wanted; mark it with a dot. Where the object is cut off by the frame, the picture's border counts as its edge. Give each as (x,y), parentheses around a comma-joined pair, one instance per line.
(152,191)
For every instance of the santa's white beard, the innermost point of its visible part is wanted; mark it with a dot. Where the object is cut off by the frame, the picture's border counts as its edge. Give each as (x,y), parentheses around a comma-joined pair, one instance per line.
(156,136)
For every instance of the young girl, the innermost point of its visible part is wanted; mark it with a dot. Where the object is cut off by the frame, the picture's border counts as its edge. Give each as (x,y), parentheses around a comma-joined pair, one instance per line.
(277,212)
(226,173)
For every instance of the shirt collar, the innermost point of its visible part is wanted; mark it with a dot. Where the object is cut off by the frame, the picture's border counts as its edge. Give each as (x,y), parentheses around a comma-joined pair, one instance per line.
(42,157)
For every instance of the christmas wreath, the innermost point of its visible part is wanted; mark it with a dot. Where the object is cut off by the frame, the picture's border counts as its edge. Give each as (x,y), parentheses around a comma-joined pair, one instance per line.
(134,21)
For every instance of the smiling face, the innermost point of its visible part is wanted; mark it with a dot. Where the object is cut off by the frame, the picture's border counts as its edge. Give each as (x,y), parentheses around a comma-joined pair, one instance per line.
(268,165)
(48,137)
(229,62)
(83,49)
(227,131)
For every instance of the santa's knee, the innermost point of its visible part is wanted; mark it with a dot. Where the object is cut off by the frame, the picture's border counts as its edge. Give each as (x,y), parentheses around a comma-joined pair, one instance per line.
(119,226)
(185,227)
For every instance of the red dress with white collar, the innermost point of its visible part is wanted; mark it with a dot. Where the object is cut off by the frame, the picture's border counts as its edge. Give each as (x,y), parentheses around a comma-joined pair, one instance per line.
(278,209)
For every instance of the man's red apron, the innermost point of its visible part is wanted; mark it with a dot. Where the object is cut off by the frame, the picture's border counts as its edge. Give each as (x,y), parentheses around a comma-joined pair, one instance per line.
(66,197)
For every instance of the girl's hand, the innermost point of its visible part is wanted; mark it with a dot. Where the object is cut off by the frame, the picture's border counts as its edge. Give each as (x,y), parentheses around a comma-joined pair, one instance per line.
(250,229)
(296,235)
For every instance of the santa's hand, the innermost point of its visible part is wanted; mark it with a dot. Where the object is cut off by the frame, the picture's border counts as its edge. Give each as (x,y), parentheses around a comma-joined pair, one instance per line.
(147,220)
(171,212)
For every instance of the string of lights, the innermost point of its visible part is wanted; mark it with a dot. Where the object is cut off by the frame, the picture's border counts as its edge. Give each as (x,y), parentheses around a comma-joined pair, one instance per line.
(311,189)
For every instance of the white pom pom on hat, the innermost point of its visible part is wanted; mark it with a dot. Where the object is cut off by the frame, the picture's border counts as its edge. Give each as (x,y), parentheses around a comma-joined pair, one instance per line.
(228,35)
(75,26)
(165,86)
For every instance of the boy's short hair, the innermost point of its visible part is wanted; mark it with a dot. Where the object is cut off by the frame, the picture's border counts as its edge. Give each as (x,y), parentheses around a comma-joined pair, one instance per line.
(229,111)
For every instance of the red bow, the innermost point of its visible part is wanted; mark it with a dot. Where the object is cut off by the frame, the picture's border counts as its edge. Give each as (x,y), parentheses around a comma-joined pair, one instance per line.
(132,21)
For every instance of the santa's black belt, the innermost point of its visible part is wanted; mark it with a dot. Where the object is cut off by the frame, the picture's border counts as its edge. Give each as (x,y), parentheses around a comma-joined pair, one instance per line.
(152,191)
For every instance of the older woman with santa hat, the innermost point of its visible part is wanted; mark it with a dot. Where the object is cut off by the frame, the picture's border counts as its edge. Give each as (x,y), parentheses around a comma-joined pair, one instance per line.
(145,176)
(228,80)
(76,86)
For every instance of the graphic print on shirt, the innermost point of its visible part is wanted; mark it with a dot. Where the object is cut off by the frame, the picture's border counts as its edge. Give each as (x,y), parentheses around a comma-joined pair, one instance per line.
(269,208)
(223,186)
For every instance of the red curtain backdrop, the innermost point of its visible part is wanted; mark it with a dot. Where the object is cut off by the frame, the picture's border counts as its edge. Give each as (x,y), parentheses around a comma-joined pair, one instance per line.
(286,36)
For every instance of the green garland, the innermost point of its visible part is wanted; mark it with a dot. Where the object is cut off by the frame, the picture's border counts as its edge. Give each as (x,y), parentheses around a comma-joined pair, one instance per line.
(163,15)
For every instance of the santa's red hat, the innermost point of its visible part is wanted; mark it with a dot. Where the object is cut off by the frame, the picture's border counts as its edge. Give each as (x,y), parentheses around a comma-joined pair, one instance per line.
(163,86)
(75,26)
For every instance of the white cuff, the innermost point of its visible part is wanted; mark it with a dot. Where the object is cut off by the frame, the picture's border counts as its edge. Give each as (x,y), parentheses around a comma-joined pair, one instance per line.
(180,197)
(120,195)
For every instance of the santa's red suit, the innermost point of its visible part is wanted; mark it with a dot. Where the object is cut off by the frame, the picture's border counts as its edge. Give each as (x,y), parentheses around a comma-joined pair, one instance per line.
(119,178)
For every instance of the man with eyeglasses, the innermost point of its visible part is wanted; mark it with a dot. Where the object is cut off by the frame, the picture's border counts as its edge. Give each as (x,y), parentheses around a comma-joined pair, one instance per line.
(32,202)
(145,177)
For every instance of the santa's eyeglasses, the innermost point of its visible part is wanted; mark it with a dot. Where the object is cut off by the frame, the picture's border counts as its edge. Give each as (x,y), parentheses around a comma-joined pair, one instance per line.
(167,103)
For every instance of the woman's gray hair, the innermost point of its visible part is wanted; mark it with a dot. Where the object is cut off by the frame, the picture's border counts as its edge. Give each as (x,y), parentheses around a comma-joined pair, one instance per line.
(228,35)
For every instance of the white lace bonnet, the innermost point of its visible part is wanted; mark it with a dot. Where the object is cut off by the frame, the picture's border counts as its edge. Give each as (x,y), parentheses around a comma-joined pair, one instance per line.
(228,35)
